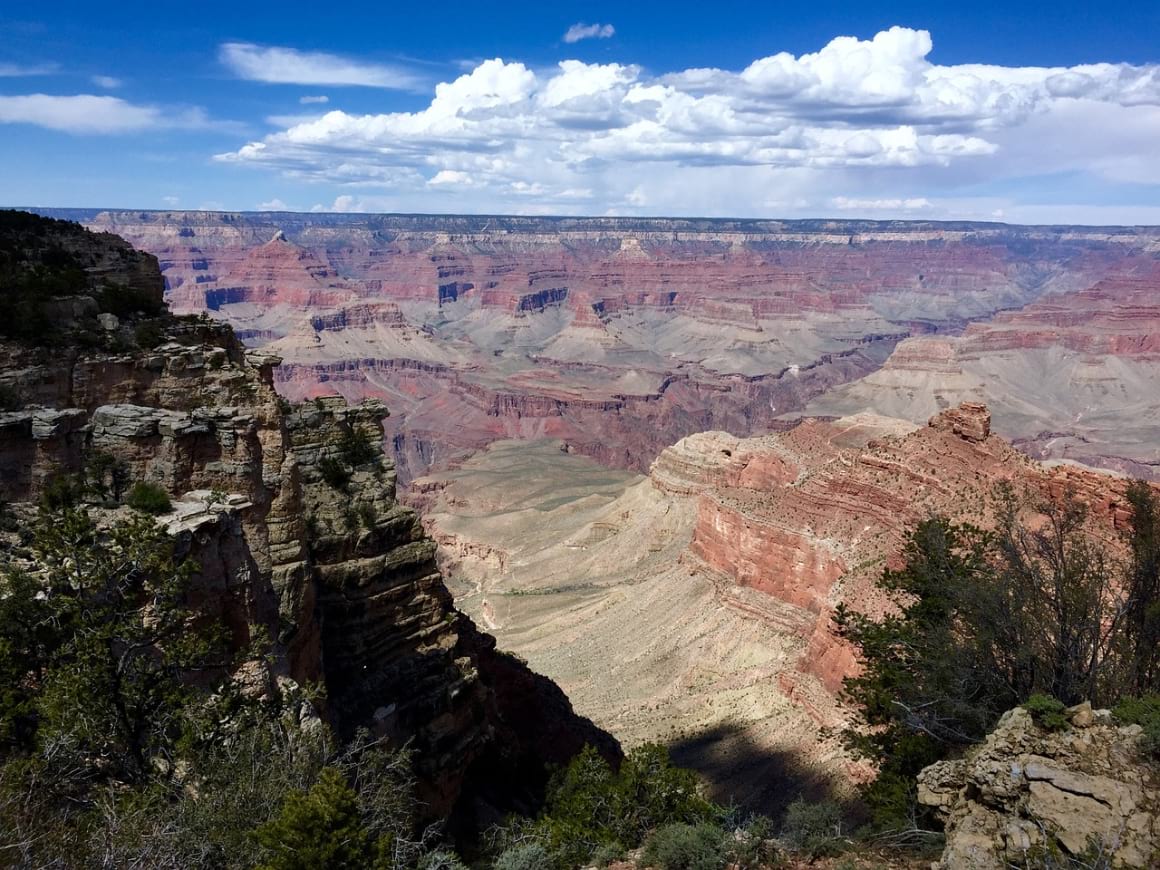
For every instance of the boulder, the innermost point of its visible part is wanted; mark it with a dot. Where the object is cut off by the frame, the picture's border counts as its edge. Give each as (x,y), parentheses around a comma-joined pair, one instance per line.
(1025,789)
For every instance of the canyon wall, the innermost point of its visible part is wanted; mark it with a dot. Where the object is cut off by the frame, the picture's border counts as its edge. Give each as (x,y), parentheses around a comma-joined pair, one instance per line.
(1072,376)
(620,336)
(324,563)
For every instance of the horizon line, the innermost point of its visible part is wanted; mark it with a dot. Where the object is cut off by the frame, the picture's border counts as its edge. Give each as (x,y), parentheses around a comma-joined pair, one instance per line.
(565,217)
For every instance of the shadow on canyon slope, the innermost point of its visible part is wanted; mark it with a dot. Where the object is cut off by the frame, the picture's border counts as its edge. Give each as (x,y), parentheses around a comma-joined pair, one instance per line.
(744,775)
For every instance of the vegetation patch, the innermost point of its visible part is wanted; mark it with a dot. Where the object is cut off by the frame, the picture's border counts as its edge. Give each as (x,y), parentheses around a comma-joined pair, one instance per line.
(1032,613)
(149,498)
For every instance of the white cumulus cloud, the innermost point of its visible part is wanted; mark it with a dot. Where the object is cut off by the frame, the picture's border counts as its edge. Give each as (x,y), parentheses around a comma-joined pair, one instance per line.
(320,99)
(844,127)
(281,65)
(579,31)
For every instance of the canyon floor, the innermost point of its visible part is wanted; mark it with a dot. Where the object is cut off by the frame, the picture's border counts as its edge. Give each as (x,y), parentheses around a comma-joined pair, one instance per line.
(583,572)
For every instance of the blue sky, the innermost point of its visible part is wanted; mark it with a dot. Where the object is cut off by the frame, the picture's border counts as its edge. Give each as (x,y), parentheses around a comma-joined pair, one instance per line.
(1028,112)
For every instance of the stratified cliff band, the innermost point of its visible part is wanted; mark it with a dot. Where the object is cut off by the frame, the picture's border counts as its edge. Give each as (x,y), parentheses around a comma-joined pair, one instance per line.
(290,513)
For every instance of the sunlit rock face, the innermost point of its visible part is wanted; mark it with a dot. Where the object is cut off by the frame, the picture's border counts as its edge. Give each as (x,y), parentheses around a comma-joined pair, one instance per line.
(620,336)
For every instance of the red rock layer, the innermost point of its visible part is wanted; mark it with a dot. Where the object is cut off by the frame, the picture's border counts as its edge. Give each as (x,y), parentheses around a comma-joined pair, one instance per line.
(811,516)
(1117,317)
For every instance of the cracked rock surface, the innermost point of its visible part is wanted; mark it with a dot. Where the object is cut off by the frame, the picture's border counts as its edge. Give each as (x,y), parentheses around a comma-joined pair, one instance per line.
(1085,787)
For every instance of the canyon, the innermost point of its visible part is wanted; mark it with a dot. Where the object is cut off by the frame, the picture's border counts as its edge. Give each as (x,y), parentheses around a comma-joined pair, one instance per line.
(620,336)
(650,457)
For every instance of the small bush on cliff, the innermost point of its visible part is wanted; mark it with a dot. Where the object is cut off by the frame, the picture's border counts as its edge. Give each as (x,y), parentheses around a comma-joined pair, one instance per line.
(106,476)
(814,829)
(590,806)
(149,333)
(685,847)
(320,828)
(1047,712)
(356,447)
(441,859)
(367,515)
(125,301)
(527,856)
(1145,712)
(62,491)
(334,473)
(751,845)
(149,498)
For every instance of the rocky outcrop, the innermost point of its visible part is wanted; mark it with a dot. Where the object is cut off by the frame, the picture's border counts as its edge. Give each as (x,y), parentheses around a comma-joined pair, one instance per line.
(971,421)
(1025,791)
(290,513)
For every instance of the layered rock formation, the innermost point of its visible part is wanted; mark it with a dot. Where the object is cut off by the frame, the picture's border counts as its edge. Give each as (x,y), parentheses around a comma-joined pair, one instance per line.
(704,592)
(1026,792)
(290,513)
(1072,376)
(619,336)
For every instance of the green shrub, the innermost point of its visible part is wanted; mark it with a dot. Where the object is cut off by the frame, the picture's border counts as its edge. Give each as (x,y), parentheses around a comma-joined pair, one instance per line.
(125,301)
(336,475)
(441,859)
(62,491)
(1145,712)
(149,498)
(589,807)
(754,845)
(106,476)
(149,333)
(317,829)
(356,447)
(350,519)
(368,515)
(686,847)
(815,829)
(608,853)
(1046,711)
(528,856)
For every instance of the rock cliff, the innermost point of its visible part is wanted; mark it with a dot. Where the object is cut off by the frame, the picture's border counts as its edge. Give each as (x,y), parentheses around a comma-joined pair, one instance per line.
(290,512)
(1026,791)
